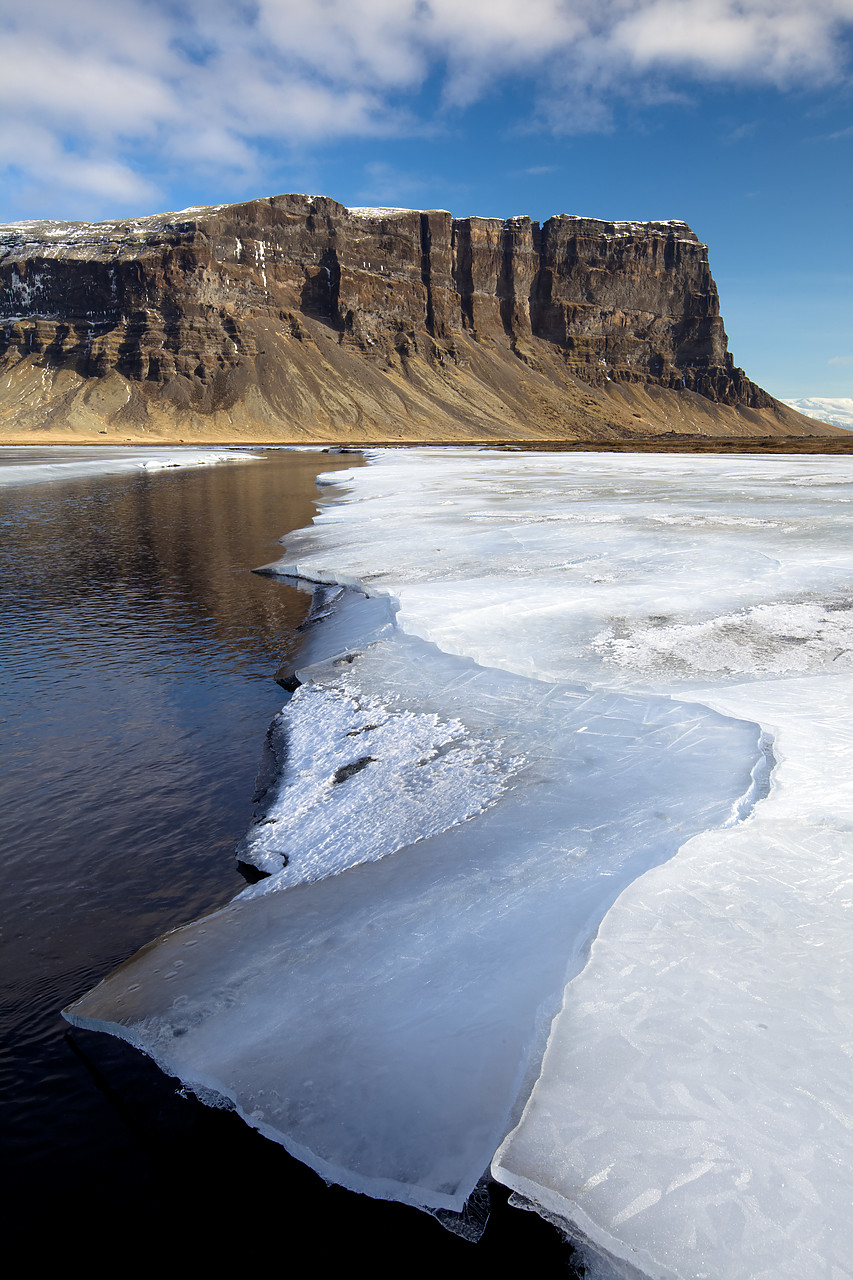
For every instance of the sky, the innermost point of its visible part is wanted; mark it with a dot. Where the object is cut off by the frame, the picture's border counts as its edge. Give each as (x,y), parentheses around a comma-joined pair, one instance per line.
(733,115)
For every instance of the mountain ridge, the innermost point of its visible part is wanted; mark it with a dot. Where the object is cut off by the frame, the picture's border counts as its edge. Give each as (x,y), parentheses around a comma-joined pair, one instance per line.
(295,319)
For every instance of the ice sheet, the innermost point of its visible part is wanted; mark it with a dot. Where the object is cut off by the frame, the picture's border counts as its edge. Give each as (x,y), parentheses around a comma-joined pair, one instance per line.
(564,623)
(632,570)
(710,1036)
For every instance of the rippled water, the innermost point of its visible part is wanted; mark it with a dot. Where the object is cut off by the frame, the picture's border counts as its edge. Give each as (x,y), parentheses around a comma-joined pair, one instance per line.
(135,690)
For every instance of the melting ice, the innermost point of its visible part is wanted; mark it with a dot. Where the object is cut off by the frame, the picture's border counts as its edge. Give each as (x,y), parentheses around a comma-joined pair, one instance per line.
(25,464)
(512,811)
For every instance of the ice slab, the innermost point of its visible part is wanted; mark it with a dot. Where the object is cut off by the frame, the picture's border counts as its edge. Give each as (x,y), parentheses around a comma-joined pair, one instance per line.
(693,1113)
(381,1022)
(22,464)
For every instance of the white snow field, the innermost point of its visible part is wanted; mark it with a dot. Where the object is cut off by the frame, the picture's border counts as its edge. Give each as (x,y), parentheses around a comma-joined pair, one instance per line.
(838,411)
(521,804)
(27,464)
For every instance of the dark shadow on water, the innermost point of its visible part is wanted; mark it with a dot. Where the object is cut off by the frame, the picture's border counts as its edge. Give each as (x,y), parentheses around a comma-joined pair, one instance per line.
(200,1171)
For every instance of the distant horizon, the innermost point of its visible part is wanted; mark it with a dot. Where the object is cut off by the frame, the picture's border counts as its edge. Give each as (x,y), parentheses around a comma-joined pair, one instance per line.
(837,410)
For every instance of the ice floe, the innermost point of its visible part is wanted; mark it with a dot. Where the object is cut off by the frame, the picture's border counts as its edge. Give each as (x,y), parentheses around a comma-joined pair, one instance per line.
(380,1022)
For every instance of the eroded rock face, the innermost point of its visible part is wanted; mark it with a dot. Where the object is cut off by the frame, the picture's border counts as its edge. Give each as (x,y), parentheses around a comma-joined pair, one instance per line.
(219,308)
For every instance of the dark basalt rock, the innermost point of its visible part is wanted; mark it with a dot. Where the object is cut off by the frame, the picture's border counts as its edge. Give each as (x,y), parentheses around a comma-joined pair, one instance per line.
(237,309)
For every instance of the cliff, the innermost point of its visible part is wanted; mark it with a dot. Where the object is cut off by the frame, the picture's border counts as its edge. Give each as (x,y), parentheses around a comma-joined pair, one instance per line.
(294,318)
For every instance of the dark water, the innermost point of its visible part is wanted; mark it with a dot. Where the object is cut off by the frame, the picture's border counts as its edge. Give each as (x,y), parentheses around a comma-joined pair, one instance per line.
(135,691)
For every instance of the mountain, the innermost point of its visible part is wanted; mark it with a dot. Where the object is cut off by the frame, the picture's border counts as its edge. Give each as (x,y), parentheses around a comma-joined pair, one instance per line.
(838,411)
(296,319)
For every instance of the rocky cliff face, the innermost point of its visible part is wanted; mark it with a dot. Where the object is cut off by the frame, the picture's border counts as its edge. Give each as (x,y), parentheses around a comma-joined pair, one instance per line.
(295,316)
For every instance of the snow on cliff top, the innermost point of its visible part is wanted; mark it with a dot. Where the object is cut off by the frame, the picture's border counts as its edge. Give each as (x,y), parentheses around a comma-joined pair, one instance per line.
(25,236)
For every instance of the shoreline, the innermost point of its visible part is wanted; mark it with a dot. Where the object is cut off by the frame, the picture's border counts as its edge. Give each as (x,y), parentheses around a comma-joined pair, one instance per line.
(674,443)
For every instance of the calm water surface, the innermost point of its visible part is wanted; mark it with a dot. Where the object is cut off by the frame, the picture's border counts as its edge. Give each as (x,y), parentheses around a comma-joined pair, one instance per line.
(135,691)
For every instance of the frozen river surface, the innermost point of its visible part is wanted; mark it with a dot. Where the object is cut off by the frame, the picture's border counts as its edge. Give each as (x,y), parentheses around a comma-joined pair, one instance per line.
(533,897)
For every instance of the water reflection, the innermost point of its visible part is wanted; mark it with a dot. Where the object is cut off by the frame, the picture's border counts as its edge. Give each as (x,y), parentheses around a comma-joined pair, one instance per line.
(135,692)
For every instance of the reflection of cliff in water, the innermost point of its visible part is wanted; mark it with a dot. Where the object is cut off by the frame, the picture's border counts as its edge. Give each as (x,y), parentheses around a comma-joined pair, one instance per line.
(175,539)
(135,692)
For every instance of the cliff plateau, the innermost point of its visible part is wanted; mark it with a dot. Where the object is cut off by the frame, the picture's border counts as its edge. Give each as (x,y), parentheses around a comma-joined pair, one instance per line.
(297,319)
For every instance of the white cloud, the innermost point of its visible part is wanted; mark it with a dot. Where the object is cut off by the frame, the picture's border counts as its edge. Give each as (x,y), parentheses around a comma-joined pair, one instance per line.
(49,170)
(780,41)
(117,86)
(88,90)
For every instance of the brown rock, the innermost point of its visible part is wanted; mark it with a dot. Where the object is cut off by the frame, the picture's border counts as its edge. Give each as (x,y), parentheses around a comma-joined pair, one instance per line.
(295,318)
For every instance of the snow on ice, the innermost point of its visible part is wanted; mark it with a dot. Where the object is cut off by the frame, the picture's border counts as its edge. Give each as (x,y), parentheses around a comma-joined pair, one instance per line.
(24,464)
(521,805)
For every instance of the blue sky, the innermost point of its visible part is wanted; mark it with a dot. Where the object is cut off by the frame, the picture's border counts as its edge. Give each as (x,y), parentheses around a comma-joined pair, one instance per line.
(735,115)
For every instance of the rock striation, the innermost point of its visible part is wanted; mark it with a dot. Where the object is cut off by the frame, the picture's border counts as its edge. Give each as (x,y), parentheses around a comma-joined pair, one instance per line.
(297,318)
